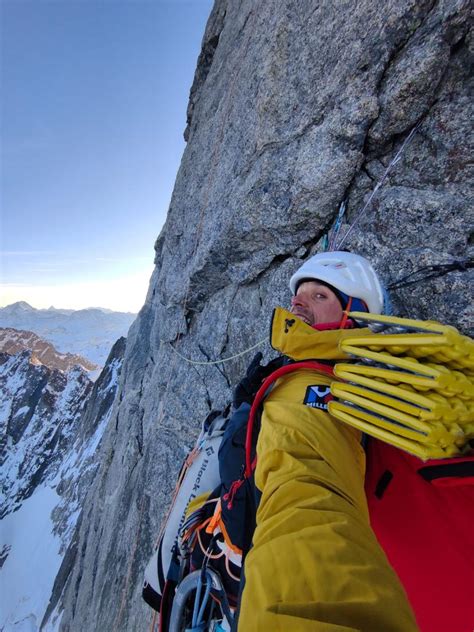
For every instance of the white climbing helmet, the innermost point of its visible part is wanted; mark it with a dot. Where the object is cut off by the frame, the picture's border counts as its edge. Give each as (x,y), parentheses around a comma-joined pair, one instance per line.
(348,273)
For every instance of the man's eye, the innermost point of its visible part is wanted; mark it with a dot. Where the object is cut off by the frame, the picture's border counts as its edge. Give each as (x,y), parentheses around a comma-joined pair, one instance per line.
(319,296)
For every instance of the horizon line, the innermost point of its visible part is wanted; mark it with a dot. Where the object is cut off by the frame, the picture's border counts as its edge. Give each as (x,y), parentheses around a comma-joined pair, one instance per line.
(68,309)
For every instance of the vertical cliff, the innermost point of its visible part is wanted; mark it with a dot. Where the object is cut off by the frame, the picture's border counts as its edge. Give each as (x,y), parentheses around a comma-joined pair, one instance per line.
(296,106)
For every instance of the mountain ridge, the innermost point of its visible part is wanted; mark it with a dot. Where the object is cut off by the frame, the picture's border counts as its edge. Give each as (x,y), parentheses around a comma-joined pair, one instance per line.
(13,341)
(25,306)
(89,333)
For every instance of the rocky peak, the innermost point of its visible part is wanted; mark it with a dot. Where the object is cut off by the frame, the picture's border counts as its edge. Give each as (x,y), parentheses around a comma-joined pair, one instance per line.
(20,306)
(42,352)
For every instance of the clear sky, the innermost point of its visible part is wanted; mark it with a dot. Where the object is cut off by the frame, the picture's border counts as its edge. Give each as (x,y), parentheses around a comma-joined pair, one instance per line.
(93,104)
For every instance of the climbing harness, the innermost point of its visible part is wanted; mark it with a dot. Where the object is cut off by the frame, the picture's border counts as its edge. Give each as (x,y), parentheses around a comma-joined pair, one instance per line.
(412,385)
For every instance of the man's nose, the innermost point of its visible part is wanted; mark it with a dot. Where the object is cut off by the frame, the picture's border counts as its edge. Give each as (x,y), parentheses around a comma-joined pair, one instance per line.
(296,300)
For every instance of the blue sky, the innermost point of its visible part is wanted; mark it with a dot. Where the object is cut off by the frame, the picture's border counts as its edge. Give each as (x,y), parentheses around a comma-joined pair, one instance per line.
(94,97)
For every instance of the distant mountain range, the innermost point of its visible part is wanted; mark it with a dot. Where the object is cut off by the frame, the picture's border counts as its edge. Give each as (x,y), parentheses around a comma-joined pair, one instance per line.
(89,333)
(15,340)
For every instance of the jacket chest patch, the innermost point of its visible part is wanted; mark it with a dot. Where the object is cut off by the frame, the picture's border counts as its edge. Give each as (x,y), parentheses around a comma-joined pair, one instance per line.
(318,396)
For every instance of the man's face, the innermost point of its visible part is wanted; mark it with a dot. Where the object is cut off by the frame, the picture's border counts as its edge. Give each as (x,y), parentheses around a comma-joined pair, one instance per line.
(316,304)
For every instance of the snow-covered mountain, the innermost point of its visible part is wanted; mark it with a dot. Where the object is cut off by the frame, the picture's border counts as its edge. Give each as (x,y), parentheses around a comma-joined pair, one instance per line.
(14,341)
(51,423)
(87,332)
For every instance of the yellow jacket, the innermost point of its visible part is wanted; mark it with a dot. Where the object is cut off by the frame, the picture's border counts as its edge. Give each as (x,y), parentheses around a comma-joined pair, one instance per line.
(315,564)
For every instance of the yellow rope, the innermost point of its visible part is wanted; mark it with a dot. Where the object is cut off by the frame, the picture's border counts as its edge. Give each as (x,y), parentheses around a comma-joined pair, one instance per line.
(202,362)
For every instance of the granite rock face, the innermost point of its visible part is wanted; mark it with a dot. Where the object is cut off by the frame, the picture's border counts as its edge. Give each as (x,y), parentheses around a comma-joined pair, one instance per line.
(295,106)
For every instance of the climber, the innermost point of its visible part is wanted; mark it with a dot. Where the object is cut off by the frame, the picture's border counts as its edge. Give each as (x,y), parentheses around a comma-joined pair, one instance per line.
(316,563)
(313,554)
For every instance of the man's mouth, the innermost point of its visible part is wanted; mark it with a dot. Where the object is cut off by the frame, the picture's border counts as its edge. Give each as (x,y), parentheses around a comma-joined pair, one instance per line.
(302,317)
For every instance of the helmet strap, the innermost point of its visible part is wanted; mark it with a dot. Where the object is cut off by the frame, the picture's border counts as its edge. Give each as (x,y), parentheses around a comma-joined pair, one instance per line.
(345,314)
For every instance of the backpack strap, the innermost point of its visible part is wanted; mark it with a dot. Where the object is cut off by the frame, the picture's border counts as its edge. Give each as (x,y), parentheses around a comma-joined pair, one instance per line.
(309,365)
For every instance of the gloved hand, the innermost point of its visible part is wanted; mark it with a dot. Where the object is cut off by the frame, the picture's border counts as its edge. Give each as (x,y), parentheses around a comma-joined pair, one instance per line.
(247,388)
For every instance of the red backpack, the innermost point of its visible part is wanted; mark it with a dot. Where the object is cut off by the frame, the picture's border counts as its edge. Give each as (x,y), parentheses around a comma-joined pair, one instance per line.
(423,516)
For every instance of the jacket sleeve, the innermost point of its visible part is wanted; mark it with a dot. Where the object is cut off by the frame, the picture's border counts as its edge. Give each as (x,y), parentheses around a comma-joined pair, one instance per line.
(315,564)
